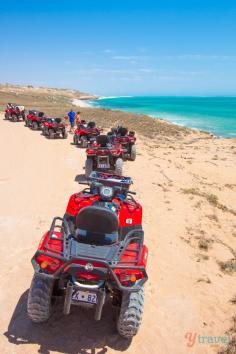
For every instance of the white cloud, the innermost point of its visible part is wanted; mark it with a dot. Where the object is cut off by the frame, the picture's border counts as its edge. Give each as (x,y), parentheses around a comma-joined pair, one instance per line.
(201,57)
(108,51)
(130,57)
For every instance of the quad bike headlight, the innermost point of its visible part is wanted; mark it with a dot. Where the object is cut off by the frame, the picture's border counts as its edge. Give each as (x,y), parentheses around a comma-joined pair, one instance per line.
(106,193)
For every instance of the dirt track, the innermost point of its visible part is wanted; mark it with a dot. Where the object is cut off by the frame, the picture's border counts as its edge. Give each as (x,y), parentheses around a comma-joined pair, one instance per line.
(37,178)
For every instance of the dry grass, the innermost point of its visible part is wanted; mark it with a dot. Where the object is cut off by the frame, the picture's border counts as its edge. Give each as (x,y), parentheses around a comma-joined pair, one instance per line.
(231,348)
(204,243)
(211,198)
(233,300)
(204,280)
(213,217)
(228,267)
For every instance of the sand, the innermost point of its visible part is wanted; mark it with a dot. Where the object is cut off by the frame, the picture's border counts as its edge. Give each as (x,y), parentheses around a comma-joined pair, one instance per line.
(187,229)
(80,103)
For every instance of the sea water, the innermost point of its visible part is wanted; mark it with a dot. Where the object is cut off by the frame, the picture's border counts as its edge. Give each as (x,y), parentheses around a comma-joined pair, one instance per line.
(213,114)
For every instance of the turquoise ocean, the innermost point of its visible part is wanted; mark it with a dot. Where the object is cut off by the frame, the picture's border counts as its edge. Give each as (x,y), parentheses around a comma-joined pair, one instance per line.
(213,114)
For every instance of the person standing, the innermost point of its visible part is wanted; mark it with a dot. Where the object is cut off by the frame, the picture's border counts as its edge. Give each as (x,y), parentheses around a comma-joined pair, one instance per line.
(77,118)
(71,116)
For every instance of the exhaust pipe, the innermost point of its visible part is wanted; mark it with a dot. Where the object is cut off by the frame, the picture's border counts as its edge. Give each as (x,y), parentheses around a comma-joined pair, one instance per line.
(68,298)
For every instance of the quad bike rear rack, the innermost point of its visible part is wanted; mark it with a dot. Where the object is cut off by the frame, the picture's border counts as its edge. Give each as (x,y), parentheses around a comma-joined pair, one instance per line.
(107,255)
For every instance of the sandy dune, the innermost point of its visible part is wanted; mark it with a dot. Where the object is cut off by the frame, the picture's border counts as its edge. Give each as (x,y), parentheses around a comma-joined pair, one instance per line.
(188,232)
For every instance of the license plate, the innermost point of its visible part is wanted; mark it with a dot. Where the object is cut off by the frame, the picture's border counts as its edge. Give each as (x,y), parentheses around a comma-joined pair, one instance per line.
(84,296)
(103,165)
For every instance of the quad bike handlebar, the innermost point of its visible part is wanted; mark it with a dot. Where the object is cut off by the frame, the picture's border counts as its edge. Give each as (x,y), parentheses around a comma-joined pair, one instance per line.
(99,185)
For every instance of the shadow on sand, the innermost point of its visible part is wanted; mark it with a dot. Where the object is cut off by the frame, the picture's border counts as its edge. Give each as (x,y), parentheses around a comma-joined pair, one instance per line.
(73,334)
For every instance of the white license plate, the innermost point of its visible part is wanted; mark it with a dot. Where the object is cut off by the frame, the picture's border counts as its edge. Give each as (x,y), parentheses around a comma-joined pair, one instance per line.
(103,165)
(84,296)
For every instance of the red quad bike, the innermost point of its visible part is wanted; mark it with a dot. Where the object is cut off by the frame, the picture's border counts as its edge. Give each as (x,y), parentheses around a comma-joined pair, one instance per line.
(126,139)
(85,134)
(14,112)
(35,119)
(54,128)
(94,255)
(104,156)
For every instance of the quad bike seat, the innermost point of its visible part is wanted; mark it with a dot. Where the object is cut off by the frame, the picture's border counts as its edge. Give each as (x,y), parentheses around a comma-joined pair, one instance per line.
(102,140)
(96,225)
(91,125)
(122,131)
(58,120)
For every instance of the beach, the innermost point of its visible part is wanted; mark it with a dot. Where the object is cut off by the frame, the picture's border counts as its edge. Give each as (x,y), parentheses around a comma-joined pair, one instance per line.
(186,183)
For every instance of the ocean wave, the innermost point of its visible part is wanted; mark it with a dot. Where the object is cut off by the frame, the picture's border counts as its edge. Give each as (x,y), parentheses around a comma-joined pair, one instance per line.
(81,103)
(111,97)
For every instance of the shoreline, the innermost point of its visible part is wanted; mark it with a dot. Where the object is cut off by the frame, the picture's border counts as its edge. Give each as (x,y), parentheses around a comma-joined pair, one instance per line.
(231,135)
(57,102)
(164,120)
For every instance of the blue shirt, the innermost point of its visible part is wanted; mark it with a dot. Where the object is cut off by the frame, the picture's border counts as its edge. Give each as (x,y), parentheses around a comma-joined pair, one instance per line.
(71,116)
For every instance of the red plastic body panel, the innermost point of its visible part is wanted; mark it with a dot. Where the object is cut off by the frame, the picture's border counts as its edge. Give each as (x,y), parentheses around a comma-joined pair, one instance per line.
(34,118)
(85,132)
(96,150)
(12,111)
(130,213)
(53,125)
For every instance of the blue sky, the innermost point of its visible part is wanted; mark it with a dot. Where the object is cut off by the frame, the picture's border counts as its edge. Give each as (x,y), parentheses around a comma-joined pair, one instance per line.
(121,47)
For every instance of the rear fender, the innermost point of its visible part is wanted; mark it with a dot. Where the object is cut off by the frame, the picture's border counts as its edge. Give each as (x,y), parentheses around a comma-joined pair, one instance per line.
(48,261)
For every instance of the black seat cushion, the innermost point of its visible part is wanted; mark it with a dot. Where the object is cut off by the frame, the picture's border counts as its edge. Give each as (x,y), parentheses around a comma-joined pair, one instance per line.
(97,225)
(122,131)
(91,125)
(102,140)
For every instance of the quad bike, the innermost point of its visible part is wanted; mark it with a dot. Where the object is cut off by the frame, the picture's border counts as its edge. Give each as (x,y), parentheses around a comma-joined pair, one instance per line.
(35,119)
(94,255)
(86,134)
(54,128)
(102,155)
(127,139)
(14,112)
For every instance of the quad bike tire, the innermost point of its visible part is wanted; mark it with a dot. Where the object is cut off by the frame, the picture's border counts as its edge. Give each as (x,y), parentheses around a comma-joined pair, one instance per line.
(51,134)
(133,153)
(83,142)
(75,140)
(6,116)
(88,167)
(119,167)
(65,135)
(39,305)
(131,312)
(35,126)
(26,122)
(14,118)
